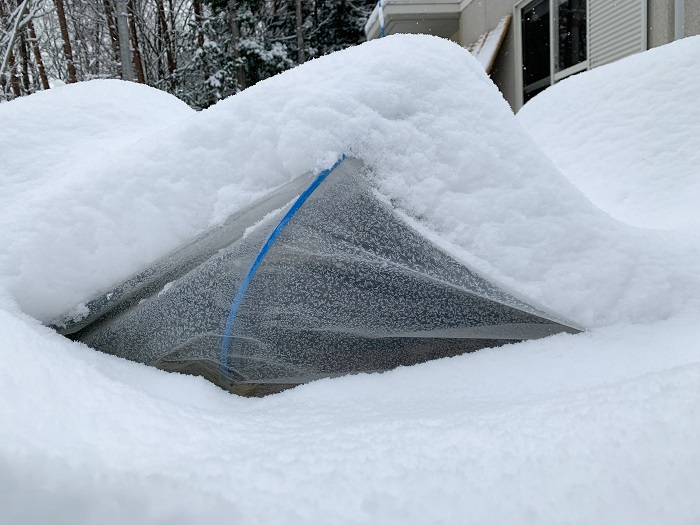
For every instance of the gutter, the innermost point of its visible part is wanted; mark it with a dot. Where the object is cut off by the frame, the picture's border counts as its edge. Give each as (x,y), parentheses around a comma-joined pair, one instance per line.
(679,15)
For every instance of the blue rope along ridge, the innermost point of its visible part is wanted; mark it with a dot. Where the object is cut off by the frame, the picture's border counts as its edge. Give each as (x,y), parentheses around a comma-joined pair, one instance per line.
(226,339)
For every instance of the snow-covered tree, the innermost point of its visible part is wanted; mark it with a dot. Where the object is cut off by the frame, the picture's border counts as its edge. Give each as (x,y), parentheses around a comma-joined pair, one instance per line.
(199,50)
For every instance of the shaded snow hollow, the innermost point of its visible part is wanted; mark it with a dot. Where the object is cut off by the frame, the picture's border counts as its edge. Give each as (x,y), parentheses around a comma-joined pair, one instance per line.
(601,427)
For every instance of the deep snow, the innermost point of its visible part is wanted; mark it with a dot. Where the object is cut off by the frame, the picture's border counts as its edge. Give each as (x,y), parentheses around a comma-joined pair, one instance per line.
(452,157)
(627,135)
(597,427)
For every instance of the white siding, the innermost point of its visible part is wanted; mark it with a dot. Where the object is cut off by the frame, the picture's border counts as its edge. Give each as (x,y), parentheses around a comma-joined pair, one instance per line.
(617,28)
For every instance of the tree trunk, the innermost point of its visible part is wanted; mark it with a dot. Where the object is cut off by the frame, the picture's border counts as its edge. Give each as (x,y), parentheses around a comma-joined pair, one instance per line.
(236,34)
(13,31)
(301,56)
(171,16)
(197,8)
(158,47)
(3,65)
(37,56)
(3,80)
(67,51)
(125,55)
(113,34)
(166,39)
(140,77)
(14,78)
(24,62)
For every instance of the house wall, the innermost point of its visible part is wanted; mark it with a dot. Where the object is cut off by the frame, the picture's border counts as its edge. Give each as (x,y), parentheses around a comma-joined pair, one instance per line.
(480,16)
(660,22)
(660,31)
(503,72)
(692,17)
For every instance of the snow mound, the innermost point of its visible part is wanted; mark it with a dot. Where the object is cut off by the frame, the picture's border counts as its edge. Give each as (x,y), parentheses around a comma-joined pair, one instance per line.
(52,131)
(452,159)
(628,134)
(601,427)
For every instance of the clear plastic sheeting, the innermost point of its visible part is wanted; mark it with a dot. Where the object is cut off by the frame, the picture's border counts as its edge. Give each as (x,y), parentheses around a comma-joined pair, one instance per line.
(345,286)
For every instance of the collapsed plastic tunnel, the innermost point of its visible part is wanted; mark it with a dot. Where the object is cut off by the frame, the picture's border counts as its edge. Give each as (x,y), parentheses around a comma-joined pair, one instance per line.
(319,278)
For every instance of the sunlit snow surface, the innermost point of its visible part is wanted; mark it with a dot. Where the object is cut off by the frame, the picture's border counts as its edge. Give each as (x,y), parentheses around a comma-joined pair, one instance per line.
(600,427)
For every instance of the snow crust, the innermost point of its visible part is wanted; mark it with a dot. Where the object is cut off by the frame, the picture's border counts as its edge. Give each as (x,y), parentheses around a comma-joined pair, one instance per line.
(601,427)
(627,135)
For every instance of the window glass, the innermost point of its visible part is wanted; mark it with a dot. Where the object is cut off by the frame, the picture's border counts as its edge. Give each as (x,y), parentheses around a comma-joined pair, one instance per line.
(572,45)
(535,31)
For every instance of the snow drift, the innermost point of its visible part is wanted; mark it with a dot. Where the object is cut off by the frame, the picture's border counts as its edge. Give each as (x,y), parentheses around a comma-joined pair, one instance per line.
(49,133)
(598,427)
(453,160)
(633,151)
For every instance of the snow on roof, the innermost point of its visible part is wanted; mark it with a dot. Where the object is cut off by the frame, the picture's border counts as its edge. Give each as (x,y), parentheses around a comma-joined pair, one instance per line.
(487,45)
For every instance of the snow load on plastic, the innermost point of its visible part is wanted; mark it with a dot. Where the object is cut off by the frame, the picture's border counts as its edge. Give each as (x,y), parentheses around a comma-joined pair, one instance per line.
(317,279)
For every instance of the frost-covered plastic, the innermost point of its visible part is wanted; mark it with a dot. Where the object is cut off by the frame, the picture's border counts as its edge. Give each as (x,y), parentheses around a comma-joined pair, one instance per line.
(317,279)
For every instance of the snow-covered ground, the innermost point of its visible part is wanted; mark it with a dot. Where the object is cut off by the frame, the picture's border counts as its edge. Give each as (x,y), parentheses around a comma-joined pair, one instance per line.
(598,427)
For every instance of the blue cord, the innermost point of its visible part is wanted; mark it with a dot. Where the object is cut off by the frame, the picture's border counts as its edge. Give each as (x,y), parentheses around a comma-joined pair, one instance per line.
(263,251)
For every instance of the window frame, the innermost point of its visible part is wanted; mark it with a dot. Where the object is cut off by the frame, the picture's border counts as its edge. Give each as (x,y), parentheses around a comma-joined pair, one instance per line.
(555,76)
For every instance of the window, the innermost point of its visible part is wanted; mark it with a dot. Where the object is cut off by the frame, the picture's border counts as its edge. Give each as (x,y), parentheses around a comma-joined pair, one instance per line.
(552,43)
(571,34)
(535,25)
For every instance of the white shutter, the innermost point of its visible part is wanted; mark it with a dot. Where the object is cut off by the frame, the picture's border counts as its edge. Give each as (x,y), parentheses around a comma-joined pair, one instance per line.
(617,28)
